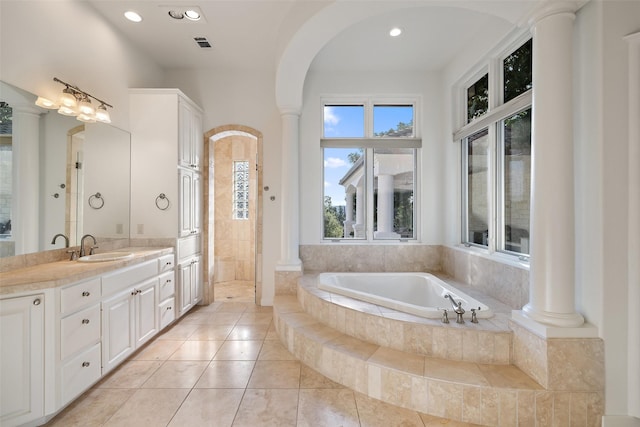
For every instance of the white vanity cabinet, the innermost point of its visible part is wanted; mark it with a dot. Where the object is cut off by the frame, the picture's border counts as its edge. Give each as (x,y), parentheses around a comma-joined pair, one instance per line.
(166,182)
(22,358)
(129,311)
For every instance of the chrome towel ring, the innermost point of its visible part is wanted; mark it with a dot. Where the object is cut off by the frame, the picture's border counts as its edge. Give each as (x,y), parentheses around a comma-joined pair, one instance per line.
(162,202)
(96,201)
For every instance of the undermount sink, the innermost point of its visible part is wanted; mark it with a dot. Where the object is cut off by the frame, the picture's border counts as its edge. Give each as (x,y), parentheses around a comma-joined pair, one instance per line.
(106,256)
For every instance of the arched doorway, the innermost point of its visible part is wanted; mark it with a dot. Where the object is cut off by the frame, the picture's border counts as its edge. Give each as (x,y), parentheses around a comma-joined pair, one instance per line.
(233,214)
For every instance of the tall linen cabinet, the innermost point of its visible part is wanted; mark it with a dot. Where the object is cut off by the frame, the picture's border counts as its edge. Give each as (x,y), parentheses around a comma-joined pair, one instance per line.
(166,185)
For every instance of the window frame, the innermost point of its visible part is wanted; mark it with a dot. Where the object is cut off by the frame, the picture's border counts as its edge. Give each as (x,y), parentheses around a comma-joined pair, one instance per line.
(492,119)
(245,210)
(368,143)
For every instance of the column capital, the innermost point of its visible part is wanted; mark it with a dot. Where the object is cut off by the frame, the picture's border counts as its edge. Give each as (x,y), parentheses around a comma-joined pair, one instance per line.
(290,110)
(550,8)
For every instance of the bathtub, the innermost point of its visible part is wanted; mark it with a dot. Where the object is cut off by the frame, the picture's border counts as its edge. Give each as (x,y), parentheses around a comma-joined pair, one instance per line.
(421,294)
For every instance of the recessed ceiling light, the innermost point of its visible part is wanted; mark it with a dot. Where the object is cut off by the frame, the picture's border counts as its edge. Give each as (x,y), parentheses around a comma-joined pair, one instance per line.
(175,14)
(132,16)
(395,32)
(192,14)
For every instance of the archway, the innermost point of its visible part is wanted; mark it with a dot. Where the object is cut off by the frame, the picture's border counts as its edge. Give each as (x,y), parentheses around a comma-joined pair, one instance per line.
(233,240)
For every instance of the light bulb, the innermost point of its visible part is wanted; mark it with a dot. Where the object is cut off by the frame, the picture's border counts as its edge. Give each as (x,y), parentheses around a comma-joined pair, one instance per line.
(87,118)
(102,115)
(85,107)
(46,103)
(68,111)
(68,98)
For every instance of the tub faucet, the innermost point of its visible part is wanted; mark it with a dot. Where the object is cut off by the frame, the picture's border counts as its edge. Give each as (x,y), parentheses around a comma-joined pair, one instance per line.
(66,239)
(457,308)
(82,252)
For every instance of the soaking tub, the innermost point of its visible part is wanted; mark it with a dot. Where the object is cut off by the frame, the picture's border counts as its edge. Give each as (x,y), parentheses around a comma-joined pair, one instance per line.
(421,294)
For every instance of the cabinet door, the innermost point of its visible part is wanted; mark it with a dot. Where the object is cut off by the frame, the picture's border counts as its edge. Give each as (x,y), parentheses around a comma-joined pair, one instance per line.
(185,299)
(21,359)
(196,280)
(184,135)
(118,333)
(197,140)
(196,203)
(146,311)
(186,202)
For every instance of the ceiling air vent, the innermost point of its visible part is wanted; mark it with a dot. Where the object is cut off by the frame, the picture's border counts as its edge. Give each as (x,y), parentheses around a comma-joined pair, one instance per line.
(202,42)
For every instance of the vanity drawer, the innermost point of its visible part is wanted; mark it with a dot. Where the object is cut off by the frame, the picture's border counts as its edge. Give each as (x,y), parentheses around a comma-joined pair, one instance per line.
(80,372)
(79,330)
(166,263)
(79,295)
(167,285)
(124,278)
(167,312)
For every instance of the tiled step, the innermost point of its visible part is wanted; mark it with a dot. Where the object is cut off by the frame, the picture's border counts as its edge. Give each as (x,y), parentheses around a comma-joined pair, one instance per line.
(487,342)
(489,394)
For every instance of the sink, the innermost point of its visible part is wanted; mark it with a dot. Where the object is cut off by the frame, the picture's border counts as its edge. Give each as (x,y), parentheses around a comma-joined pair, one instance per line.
(106,256)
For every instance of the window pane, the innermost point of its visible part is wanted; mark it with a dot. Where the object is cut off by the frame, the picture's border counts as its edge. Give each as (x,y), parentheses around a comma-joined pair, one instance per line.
(394,177)
(477,208)
(393,121)
(478,98)
(240,190)
(6,181)
(517,181)
(518,75)
(343,121)
(344,189)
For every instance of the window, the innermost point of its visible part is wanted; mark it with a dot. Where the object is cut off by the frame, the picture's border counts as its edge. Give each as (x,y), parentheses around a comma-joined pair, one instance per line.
(6,181)
(369,157)
(496,156)
(240,190)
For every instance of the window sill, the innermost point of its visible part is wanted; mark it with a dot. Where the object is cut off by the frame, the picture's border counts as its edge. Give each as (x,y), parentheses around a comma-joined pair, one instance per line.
(503,258)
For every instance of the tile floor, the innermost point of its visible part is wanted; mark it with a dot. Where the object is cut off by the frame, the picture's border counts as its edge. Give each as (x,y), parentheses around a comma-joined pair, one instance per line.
(223,365)
(235,291)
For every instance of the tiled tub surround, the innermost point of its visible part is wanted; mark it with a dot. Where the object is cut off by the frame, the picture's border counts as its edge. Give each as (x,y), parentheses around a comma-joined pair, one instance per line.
(454,371)
(506,282)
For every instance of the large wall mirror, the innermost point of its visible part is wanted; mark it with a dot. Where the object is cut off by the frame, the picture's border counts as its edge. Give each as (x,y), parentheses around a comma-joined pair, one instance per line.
(80,172)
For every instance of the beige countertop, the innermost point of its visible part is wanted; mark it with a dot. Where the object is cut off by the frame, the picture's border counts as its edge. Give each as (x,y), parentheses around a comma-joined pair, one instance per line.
(60,273)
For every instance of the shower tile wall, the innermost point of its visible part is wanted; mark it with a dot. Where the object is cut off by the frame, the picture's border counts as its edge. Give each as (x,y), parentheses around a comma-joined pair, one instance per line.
(234,251)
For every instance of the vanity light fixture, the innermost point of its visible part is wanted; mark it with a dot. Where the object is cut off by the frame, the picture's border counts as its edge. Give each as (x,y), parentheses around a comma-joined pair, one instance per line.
(77,103)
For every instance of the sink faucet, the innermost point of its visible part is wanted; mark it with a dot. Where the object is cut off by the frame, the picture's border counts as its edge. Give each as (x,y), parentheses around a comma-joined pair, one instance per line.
(457,308)
(66,239)
(82,252)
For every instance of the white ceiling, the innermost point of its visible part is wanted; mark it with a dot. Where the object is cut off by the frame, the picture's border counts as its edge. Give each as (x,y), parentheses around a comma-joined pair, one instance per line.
(245,34)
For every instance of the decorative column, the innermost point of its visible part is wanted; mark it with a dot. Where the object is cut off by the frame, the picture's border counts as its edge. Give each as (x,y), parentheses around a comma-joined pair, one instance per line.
(358,227)
(289,218)
(25,221)
(385,207)
(552,277)
(348,223)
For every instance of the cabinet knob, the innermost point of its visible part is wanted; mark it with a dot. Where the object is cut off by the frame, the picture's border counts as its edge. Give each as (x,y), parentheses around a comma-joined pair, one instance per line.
(169,308)
(85,364)
(134,292)
(85,321)
(169,263)
(37,301)
(86,293)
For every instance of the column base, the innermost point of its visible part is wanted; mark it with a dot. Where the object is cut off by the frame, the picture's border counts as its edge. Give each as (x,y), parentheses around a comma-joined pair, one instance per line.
(289,265)
(565,327)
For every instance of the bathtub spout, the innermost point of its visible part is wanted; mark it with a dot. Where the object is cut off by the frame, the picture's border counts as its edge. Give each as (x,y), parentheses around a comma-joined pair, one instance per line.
(457,308)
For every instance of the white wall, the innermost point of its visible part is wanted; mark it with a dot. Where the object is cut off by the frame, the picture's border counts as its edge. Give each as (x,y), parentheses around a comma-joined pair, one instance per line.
(420,83)
(244,98)
(619,18)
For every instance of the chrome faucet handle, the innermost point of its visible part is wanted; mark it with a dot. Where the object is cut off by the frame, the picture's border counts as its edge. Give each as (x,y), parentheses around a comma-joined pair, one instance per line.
(73,256)
(445,316)
(474,318)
